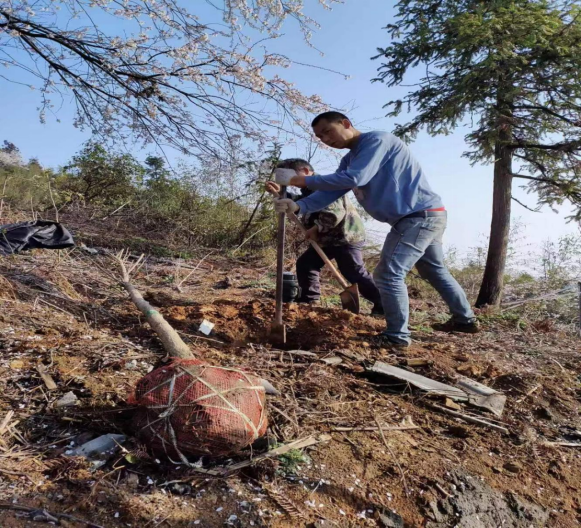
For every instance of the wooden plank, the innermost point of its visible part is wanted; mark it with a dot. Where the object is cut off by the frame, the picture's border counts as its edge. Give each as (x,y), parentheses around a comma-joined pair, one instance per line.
(482,396)
(420,382)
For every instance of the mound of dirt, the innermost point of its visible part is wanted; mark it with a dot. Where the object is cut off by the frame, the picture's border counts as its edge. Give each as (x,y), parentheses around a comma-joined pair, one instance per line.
(245,322)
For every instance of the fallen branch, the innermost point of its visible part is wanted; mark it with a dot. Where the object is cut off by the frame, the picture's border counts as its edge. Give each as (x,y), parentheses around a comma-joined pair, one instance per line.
(116,210)
(303,353)
(46,377)
(536,387)
(393,455)
(296,444)
(42,515)
(547,297)
(4,426)
(442,490)
(179,284)
(249,238)
(393,428)
(562,444)
(467,418)
(285,503)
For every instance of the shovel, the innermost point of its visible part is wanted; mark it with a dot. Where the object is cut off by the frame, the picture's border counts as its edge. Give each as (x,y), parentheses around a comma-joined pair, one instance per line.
(278,329)
(350,295)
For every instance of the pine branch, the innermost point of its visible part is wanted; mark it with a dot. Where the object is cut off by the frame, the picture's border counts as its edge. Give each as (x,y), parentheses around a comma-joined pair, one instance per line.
(537,210)
(533,178)
(565,146)
(285,503)
(546,110)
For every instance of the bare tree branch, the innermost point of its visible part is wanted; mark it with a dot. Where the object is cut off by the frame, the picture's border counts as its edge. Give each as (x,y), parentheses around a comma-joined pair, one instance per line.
(537,210)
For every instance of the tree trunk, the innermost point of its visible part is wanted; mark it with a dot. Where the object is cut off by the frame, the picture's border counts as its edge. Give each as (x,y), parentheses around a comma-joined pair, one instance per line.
(493,280)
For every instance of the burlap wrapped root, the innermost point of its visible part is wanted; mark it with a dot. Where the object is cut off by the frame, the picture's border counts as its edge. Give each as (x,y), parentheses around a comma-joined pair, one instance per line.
(191,408)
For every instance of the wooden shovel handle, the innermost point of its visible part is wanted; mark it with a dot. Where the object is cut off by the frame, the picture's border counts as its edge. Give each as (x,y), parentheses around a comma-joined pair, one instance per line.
(296,221)
(279,263)
(293,217)
(319,250)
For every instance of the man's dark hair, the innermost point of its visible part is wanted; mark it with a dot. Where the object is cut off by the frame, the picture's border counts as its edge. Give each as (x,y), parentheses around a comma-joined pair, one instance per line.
(331,117)
(295,164)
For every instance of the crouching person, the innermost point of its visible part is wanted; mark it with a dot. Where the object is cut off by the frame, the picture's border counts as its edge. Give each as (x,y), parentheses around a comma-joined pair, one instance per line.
(339,230)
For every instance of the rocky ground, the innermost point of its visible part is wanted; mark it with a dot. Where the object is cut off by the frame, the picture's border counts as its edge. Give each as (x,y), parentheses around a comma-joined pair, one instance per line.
(65,315)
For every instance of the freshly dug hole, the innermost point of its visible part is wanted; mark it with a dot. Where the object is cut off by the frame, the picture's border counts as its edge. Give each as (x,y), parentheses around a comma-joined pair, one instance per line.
(249,322)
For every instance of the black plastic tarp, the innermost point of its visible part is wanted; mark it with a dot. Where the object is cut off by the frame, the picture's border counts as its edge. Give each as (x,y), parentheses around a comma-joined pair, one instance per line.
(37,234)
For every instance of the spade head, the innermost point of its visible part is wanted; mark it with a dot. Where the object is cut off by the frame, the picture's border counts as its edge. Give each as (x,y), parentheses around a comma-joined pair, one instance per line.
(350,299)
(278,334)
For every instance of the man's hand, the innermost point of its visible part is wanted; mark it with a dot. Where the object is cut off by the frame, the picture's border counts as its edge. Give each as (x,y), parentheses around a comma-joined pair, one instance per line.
(284,176)
(272,188)
(312,234)
(285,205)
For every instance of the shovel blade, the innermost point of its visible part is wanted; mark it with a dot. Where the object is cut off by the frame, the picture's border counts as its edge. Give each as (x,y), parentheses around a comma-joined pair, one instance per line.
(350,299)
(278,333)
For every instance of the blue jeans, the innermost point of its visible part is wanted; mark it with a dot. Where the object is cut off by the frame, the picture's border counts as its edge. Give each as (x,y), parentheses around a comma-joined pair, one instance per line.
(416,242)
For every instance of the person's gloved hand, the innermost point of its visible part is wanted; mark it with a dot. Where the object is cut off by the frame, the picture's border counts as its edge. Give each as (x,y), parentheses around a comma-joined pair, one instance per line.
(285,205)
(284,176)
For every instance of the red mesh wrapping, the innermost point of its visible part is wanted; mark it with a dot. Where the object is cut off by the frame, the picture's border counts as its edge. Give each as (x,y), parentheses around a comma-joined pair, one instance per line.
(190,407)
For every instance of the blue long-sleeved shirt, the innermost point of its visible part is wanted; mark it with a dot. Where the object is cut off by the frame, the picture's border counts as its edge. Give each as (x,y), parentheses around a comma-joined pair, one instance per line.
(386,179)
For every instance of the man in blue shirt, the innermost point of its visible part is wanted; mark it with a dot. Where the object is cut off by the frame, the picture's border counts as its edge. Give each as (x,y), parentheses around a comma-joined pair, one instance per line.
(391,186)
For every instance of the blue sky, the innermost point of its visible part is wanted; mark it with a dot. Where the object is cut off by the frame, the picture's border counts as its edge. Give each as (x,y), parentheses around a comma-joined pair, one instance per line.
(349,36)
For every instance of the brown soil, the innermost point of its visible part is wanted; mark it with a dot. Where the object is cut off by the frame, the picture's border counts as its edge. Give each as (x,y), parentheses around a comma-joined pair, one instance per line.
(67,312)
(242,323)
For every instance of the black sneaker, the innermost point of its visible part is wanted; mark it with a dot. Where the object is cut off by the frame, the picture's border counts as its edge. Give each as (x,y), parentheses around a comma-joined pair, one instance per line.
(455,326)
(383,341)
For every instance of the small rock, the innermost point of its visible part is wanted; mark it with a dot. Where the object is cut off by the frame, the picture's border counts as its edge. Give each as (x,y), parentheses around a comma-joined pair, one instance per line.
(473,370)
(131,365)
(16,364)
(451,404)
(513,467)
(389,519)
(102,447)
(334,360)
(68,400)
(223,284)
(233,521)
(268,388)
(181,489)
(132,480)
(459,431)
(89,250)
(462,357)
